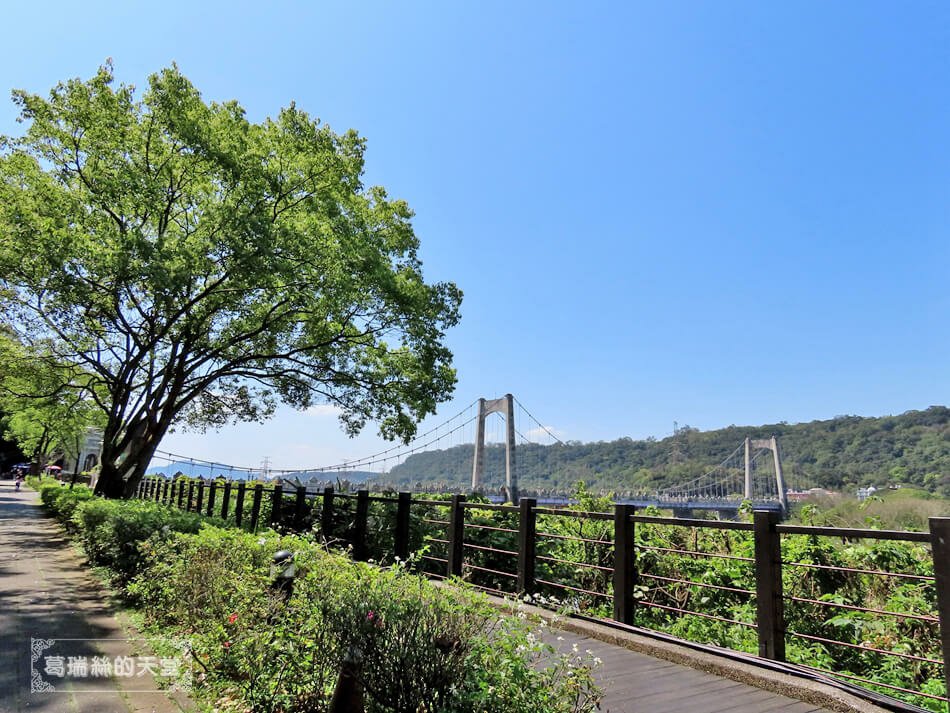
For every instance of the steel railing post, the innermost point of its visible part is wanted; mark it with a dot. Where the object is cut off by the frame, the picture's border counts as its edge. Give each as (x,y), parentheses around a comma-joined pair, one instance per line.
(256,506)
(212,486)
(401,545)
(226,501)
(456,537)
(239,503)
(940,548)
(770,611)
(300,508)
(527,544)
(625,568)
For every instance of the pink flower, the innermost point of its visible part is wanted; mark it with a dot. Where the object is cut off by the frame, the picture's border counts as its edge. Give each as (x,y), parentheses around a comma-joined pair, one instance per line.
(232,618)
(370,616)
(227,644)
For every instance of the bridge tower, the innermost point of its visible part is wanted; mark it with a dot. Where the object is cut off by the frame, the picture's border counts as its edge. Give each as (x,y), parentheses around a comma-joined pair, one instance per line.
(505,405)
(772,445)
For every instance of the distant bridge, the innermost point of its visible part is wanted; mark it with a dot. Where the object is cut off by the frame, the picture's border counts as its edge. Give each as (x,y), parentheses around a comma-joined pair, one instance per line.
(758,480)
(751,473)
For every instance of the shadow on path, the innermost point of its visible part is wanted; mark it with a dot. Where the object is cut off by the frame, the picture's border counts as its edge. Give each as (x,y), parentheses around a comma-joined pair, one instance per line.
(46,593)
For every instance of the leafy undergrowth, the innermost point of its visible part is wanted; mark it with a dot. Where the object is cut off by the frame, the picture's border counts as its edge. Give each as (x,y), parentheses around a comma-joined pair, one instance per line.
(413,647)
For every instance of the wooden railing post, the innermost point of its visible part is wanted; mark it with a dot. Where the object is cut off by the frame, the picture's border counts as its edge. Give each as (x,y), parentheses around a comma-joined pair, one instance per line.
(276,505)
(211,488)
(770,614)
(165,487)
(181,493)
(300,508)
(226,500)
(157,490)
(191,493)
(527,544)
(456,537)
(201,496)
(625,564)
(239,504)
(256,506)
(940,548)
(360,546)
(326,517)
(401,545)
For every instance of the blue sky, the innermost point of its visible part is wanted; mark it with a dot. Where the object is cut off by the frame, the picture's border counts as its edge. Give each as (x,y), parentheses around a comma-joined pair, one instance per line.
(708,212)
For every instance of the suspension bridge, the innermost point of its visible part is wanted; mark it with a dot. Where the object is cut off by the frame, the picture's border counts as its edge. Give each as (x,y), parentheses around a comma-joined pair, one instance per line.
(496,447)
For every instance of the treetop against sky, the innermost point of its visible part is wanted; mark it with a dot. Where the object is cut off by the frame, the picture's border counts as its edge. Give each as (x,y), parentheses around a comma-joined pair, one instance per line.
(706,213)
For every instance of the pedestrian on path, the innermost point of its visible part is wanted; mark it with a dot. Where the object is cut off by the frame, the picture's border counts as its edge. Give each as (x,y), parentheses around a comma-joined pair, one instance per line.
(19,479)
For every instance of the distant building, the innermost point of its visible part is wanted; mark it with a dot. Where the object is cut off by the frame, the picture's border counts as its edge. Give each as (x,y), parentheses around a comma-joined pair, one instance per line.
(810,493)
(89,453)
(865,493)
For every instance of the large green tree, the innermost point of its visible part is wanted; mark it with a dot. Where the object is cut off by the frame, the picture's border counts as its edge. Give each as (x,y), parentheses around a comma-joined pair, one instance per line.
(46,405)
(200,268)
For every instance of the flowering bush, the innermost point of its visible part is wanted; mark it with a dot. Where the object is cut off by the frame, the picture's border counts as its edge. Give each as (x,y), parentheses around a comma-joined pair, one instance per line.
(413,647)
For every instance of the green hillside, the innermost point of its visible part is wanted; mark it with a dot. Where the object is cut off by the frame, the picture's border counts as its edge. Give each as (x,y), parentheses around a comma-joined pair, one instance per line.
(840,454)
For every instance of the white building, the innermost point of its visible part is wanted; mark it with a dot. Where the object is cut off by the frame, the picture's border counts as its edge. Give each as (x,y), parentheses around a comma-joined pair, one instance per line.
(89,452)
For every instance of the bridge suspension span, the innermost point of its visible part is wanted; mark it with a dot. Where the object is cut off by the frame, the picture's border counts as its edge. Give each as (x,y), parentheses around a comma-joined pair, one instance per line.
(498,441)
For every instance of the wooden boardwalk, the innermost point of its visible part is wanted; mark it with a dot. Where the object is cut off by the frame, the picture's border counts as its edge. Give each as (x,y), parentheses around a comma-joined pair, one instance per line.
(638,683)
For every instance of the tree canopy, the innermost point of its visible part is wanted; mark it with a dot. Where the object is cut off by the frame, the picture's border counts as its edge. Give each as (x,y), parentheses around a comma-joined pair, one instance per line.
(46,406)
(197,268)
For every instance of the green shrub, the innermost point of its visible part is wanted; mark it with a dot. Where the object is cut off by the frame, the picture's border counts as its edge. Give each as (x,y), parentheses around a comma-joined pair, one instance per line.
(413,645)
(111,531)
(62,501)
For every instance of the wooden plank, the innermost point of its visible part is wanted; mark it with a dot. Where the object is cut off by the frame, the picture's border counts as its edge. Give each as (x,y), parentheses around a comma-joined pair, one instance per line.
(636,690)
(637,683)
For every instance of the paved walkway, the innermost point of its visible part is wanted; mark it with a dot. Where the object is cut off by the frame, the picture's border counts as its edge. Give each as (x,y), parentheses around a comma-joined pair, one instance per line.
(45,593)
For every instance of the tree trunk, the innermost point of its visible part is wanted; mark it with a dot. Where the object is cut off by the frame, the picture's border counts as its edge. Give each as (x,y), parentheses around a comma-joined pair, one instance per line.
(121,481)
(109,484)
(138,472)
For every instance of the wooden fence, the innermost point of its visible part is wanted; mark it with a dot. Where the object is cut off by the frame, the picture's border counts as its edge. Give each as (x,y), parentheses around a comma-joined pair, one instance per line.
(257,506)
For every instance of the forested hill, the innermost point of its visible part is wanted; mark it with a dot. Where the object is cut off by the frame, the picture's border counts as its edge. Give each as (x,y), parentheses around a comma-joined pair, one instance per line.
(841,453)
